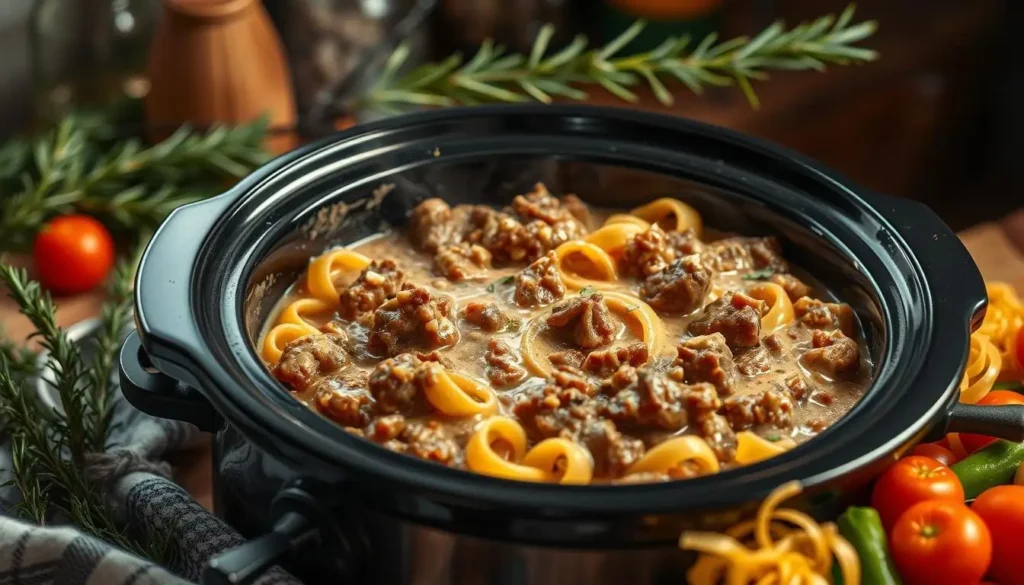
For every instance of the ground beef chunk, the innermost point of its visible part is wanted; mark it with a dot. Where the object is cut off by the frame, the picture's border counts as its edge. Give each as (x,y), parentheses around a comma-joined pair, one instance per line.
(613,453)
(577,208)
(376,284)
(604,362)
(434,224)
(685,242)
(715,429)
(396,384)
(820,315)
(541,204)
(428,440)
(503,367)
(769,407)
(833,353)
(651,399)
(705,358)
(486,316)
(773,343)
(754,361)
(413,319)
(588,319)
(345,399)
(743,254)
(308,358)
(646,253)
(680,288)
(559,406)
(572,358)
(540,283)
(462,261)
(794,287)
(797,387)
(736,316)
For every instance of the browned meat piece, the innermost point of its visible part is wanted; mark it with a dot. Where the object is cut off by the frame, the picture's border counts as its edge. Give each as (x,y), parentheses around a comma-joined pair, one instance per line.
(412,320)
(647,253)
(715,429)
(685,243)
(736,316)
(769,407)
(540,283)
(577,208)
(559,407)
(797,387)
(754,361)
(833,353)
(604,362)
(743,254)
(308,358)
(572,358)
(588,318)
(541,204)
(653,399)
(428,440)
(705,358)
(613,452)
(794,287)
(396,384)
(823,397)
(345,399)
(376,284)
(680,288)
(539,225)
(503,367)
(486,316)
(773,343)
(820,315)
(434,224)
(462,261)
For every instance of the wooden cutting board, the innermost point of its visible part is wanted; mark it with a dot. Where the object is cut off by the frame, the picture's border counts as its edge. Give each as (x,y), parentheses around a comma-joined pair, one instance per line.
(997,247)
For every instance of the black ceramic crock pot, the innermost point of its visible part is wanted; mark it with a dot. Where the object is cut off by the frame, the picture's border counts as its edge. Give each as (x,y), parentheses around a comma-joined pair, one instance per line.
(333,507)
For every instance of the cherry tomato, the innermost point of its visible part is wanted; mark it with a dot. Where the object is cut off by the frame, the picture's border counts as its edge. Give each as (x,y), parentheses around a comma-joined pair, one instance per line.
(935,451)
(974,442)
(911,480)
(940,542)
(73,254)
(1002,509)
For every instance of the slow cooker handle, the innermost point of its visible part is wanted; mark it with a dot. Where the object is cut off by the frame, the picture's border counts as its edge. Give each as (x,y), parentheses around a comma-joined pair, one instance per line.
(1003,421)
(158,395)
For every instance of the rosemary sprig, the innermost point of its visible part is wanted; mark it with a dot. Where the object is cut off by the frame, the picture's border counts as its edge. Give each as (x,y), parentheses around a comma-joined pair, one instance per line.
(129,185)
(48,448)
(494,75)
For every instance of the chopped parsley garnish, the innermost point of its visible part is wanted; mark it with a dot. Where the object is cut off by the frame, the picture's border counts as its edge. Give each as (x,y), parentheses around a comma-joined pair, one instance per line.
(773,438)
(513,325)
(759,274)
(631,308)
(502,281)
(587,291)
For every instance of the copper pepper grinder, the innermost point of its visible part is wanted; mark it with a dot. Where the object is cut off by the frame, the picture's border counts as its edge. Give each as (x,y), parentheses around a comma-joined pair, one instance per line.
(219,62)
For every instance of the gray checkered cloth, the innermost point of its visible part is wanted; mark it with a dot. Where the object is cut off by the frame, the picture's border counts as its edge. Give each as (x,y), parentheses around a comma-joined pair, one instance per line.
(136,483)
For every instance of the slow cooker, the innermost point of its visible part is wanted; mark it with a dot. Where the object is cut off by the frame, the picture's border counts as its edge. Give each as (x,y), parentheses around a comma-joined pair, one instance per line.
(332,507)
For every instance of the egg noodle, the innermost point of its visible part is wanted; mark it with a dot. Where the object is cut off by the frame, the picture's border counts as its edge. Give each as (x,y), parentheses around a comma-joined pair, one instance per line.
(780,546)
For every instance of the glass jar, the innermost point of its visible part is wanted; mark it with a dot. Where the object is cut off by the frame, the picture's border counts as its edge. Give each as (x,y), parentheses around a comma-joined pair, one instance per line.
(89,52)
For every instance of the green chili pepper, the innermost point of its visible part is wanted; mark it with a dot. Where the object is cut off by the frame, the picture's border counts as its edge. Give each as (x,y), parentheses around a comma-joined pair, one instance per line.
(993,465)
(863,528)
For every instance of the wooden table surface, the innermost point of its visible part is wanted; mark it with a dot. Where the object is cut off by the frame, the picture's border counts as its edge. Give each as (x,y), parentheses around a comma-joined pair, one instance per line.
(997,247)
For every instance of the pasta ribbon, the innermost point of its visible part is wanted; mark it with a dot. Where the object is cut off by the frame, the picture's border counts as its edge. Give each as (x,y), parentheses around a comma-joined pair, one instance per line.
(613,238)
(802,555)
(670,454)
(1003,318)
(984,362)
(321,272)
(599,262)
(751,447)
(625,218)
(454,394)
(780,308)
(686,217)
(643,322)
(277,338)
(552,460)
(295,314)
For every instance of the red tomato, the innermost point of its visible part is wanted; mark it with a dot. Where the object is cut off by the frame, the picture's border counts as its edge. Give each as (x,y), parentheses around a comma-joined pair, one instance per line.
(935,451)
(1020,349)
(974,442)
(1002,509)
(73,254)
(911,480)
(940,542)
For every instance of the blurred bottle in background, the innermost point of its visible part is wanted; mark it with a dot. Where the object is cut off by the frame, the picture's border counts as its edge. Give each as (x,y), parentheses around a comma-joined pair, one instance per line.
(89,52)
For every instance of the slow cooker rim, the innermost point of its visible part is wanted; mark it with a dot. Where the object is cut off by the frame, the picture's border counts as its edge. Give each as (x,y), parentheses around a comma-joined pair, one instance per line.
(564,493)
